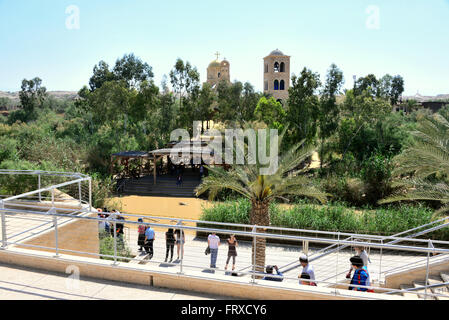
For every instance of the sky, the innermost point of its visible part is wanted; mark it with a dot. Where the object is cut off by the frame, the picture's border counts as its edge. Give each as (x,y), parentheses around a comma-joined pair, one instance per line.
(60,41)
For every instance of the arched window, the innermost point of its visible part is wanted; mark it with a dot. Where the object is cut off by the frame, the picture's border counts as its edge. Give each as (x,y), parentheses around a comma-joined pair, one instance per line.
(276,85)
(276,67)
(282,67)
(266,85)
(282,87)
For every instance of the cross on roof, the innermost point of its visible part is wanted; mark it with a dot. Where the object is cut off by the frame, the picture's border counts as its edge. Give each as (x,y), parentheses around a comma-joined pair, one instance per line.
(217,54)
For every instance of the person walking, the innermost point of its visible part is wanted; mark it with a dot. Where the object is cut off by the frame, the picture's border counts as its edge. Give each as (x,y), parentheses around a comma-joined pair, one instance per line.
(141,234)
(232,251)
(214,242)
(170,244)
(149,240)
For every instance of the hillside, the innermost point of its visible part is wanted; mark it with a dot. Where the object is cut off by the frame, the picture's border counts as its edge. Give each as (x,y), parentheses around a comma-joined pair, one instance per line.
(63,95)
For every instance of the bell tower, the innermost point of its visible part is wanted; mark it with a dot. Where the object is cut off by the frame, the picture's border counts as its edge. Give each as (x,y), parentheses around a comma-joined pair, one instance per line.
(277,75)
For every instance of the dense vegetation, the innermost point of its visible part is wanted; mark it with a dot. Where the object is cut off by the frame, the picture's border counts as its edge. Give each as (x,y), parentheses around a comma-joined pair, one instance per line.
(356,134)
(335,217)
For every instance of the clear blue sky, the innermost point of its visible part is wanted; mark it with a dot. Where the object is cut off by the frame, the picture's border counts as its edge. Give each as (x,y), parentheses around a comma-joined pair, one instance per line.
(412,38)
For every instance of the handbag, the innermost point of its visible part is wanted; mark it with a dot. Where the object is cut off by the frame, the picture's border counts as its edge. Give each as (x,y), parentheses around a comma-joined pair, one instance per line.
(207,251)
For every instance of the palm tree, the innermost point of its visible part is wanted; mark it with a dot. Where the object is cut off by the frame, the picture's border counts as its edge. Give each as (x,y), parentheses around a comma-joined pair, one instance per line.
(261,190)
(425,164)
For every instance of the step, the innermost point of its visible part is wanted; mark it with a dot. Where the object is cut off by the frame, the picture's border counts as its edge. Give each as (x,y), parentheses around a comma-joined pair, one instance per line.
(440,290)
(418,284)
(444,276)
(410,296)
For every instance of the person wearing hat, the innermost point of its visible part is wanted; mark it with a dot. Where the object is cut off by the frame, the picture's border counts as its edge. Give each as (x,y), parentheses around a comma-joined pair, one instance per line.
(361,275)
(307,268)
(141,234)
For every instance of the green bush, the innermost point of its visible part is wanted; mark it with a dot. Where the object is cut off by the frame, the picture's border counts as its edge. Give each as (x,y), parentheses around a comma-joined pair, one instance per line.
(334,217)
(107,247)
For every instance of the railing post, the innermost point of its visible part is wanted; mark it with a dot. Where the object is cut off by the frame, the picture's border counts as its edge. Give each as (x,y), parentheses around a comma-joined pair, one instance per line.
(427,269)
(53,198)
(254,255)
(115,242)
(380,262)
(39,186)
(4,240)
(80,194)
(182,250)
(336,268)
(55,223)
(90,194)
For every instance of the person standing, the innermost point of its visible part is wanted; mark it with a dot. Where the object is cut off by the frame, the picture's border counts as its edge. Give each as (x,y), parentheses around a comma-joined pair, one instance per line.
(149,240)
(361,276)
(232,251)
(170,244)
(141,235)
(214,242)
(361,252)
(180,241)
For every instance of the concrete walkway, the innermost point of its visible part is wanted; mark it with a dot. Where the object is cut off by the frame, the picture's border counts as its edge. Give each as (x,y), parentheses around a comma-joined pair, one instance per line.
(19,283)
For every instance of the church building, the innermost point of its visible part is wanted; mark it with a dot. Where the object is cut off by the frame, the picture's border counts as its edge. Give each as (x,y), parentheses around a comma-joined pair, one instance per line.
(218,71)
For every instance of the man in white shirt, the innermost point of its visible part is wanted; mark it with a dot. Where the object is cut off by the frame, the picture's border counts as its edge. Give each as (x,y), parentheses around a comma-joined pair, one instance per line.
(214,242)
(307,268)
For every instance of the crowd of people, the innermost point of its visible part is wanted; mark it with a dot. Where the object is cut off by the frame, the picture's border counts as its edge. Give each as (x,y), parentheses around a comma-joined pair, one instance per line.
(360,280)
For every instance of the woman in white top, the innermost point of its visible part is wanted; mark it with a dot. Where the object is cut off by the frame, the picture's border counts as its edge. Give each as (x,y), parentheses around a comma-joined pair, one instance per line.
(360,251)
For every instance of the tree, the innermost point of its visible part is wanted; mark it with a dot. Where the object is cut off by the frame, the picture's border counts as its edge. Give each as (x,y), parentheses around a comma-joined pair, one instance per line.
(185,81)
(32,95)
(248,103)
(132,70)
(367,84)
(303,106)
(205,102)
(270,112)
(329,111)
(229,101)
(101,74)
(246,180)
(361,111)
(397,88)
(426,164)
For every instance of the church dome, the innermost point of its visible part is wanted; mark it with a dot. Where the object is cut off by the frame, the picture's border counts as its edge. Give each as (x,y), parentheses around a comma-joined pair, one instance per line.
(214,64)
(276,52)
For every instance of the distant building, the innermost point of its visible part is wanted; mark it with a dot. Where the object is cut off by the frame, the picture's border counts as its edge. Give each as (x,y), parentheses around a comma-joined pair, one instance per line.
(218,71)
(277,75)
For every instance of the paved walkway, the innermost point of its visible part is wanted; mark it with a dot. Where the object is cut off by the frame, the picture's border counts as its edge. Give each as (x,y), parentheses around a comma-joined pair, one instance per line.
(19,283)
(282,255)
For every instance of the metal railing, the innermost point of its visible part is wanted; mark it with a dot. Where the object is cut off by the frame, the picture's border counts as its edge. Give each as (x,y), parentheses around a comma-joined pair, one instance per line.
(189,264)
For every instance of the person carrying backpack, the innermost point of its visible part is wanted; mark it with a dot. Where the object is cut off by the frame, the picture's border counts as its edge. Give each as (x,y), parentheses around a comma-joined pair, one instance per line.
(361,276)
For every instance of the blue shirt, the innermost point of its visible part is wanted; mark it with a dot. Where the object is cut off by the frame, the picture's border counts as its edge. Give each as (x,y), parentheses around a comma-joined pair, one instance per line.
(273,278)
(149,233)
(360,278)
